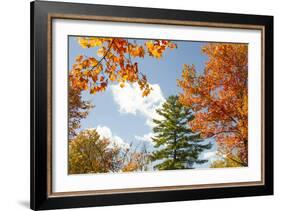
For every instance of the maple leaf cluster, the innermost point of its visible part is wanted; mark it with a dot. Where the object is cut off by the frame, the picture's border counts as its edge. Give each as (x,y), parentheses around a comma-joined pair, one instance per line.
(219,97)
(114,63)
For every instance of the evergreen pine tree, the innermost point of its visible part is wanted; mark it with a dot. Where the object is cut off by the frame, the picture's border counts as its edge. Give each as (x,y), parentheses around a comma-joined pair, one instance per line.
(177,146)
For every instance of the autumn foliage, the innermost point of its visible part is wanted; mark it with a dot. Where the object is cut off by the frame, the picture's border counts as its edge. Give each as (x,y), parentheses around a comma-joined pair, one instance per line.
(226,163)
(78,109)
(114,63)
(89,153)
(219,98)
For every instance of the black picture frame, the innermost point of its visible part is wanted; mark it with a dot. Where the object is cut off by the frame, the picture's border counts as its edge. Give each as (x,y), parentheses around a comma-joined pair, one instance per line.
(40,196)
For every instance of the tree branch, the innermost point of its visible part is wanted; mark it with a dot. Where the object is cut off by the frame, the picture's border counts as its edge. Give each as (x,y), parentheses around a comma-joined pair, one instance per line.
(226,131)
(237,161)
(109,48)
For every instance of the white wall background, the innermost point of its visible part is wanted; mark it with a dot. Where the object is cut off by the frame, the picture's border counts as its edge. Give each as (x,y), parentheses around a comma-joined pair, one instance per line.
(14,104)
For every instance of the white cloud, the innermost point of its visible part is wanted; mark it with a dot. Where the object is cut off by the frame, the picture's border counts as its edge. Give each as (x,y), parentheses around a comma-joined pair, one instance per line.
(130,100)
(209,155)
(146,137)
(105,132)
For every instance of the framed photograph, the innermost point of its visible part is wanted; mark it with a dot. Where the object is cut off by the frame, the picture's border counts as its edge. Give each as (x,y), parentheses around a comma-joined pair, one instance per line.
(140,105)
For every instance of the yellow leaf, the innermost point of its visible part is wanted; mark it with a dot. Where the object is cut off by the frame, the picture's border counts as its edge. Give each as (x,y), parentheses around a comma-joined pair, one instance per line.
(79,58)
(172,45)
(94,42)
(101,52)
(112,77)
(83,42)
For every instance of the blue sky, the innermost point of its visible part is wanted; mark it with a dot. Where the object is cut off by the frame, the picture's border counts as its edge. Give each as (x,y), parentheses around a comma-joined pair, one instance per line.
(127,117)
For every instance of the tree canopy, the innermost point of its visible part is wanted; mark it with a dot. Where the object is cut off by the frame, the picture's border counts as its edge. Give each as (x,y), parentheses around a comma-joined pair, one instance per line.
(219,97)
(114,63)
(89,153)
